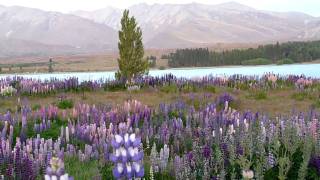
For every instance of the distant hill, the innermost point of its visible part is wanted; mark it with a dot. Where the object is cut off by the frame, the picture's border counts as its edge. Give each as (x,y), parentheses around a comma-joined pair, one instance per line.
(53,30)
(189,25)
(32,32)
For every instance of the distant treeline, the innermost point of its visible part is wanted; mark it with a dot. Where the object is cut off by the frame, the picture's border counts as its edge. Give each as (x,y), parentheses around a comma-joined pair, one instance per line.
(264,54)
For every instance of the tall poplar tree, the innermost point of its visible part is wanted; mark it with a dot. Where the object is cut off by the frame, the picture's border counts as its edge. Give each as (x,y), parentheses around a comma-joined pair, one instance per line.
(131,62)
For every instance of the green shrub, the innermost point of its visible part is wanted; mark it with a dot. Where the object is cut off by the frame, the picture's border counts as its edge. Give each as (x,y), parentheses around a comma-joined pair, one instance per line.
(36,107)
(162,68)
(65,104)
(54,131)
(285,61)
(258,61)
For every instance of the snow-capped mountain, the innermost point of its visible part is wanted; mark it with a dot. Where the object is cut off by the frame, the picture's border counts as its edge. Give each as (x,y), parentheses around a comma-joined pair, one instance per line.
(183,25)
(53,28)
(163,25)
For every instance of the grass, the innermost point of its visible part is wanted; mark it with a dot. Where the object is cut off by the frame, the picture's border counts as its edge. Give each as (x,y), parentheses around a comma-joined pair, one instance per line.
(301,96)
(316,104)
(258,95)
(169,89)
(277,101)
(81,170)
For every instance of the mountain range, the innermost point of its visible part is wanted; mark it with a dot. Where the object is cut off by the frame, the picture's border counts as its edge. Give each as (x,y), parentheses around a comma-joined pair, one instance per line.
(28,31)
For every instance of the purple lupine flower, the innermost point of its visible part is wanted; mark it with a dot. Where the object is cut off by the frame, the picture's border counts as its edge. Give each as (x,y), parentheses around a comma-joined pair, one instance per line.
(126,156)
(315,162)
(55,170)
(226,97)
(206,152)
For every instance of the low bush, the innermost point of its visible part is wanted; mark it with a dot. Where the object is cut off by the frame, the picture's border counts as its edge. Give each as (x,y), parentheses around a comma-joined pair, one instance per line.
(65,104)
(285,61)
(258,61)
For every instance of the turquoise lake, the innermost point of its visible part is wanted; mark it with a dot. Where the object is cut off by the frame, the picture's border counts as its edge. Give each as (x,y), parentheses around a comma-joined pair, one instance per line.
(309,70)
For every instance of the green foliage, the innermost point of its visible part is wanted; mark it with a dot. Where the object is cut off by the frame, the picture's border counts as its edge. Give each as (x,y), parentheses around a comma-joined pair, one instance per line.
(106,172)
(257,61)
(210,89)
(65,104)
(188,144)
(190,57)
(54,131)
(50,66)
(295,51)
(116,86)
(131,51)
(36,107)
(188,88)
(162,68)
(169,88)
(152,61)
(81,170)
(300,96)
(258,95)
(285,61)
(316,104)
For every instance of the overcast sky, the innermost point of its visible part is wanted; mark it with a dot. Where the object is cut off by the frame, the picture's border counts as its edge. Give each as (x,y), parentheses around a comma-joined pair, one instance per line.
(311,7)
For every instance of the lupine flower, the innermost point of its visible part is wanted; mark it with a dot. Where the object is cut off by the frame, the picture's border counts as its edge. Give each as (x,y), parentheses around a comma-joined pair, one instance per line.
(247,174)
(127,157)
(55,171)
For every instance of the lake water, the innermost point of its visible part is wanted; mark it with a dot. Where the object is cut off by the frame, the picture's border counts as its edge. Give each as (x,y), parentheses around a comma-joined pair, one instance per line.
(310,70)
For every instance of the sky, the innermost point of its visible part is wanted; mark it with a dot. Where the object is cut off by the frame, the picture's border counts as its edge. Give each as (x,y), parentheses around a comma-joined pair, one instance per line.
(311,7)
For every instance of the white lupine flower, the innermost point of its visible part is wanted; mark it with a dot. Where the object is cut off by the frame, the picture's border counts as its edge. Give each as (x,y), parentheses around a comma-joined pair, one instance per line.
(118,138)
(136,166)
(47,177)
(133,151)
(129,167)
(247,174)
(132,137)
(8,91)
(64,177)
(120,167)
(67,134)
(123,152)
(126,137)
(118,153)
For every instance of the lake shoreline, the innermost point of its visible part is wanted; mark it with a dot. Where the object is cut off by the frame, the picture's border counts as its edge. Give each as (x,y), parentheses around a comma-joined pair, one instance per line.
(157,69)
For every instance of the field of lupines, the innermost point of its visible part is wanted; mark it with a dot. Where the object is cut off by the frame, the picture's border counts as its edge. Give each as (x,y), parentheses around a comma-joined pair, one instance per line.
(12,86)
(182,140)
